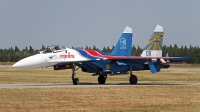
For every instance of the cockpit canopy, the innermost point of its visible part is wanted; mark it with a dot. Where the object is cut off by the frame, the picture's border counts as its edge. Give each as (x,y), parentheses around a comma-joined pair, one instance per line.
(53,49)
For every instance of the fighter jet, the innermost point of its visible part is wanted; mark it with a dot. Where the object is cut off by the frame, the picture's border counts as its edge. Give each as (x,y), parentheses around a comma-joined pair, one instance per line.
(118,62)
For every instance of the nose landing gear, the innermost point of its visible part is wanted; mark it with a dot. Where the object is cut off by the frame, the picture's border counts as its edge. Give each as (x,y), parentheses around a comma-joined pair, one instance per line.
(74,80)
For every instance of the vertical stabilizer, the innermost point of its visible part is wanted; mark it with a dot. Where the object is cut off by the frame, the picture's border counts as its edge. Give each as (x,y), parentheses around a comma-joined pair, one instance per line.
(155,44)
(167,55)
(124,44)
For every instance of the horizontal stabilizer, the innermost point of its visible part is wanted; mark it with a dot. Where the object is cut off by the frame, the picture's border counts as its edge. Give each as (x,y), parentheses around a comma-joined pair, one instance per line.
(154,68)
(181,58)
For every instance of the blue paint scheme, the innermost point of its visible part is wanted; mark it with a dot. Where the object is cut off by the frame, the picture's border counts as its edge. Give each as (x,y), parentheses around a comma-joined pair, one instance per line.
(152,46)
(167,55)
(89,68)
(154,67)
(155,40)
(145,48)
(181,58)
(148,53)
(100,67)
(130,62)
(85,54)
(104,53)
(157,66)
(50,57)
(123,46)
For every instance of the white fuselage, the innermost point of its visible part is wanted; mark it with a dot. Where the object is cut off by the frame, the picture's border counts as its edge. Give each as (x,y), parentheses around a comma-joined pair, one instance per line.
(50,59)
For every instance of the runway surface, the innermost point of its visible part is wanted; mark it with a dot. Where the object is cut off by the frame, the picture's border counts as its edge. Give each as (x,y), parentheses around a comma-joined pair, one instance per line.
(5,66)
(140,83)
(45,85)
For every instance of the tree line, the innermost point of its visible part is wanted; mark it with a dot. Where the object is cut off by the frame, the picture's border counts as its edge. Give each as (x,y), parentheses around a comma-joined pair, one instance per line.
(15,54)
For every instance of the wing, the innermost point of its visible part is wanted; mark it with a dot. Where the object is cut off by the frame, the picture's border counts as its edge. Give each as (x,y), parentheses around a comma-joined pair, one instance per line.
(107,57)
(146,58)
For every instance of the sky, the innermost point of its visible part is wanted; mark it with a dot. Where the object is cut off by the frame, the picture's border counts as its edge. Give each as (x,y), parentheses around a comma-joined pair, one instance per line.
(81,23)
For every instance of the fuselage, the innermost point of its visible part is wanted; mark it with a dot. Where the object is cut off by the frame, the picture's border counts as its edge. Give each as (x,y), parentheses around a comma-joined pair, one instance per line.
(50,59)
(88,60)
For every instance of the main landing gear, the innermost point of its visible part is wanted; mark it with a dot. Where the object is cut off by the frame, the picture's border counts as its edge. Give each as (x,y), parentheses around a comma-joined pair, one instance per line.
(102,79)
(74,80)
(133,79)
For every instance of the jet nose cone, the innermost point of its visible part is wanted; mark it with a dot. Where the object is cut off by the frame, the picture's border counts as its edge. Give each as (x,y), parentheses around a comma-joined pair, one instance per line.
(34,61)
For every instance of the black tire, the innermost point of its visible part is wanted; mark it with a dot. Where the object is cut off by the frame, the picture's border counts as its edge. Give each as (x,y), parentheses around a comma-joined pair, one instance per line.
(133,79)
(75,81)
(102,79)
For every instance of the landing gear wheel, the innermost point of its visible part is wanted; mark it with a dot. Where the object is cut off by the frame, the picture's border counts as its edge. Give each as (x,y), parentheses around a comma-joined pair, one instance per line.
(102,79)
(133,79)
(75,81)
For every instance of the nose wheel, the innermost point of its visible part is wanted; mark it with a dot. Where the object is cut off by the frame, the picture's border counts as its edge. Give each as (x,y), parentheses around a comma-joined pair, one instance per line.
(75,81)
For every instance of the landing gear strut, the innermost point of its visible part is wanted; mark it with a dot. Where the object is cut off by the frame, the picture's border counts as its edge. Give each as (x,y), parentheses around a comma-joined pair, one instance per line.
(102,79)
(133,79)
(74,80)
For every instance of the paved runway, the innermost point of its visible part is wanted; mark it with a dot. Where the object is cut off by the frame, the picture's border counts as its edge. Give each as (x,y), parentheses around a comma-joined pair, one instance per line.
(45,85)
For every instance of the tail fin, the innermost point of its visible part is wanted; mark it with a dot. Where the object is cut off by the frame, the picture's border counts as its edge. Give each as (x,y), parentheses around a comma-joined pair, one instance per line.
(124,45)
(155,44)
(167,55)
